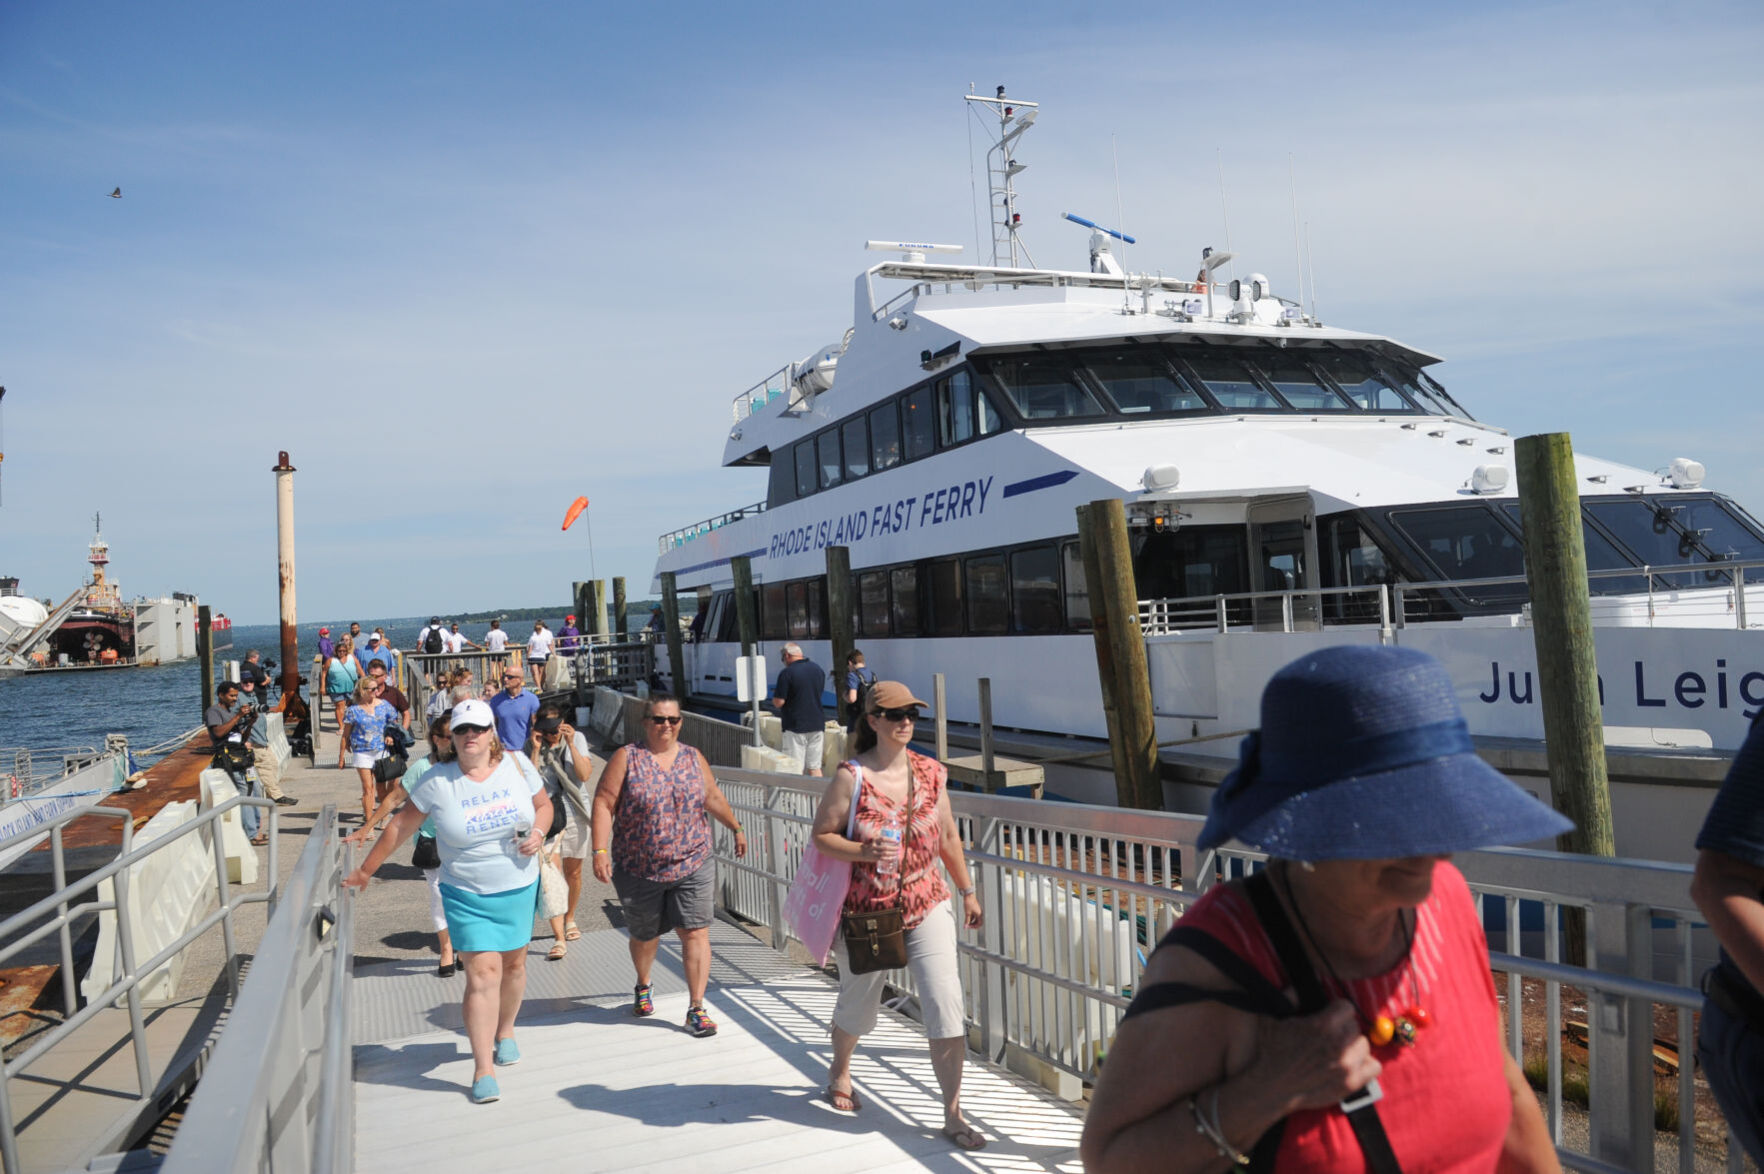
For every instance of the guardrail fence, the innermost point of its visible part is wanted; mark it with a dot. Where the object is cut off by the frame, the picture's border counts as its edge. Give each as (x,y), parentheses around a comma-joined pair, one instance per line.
(1076,898)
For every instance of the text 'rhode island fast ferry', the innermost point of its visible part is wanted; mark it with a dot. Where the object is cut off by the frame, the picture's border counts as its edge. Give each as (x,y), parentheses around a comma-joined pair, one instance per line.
(1289,485)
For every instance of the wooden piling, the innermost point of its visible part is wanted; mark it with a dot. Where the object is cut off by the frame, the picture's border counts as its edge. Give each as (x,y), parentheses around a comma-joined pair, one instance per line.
(1120,652)
(839,623)
(205,653)
(939,700)
(741,566)
(595,621)
(986,754)
(620,627)
(1561,626)
(671,631)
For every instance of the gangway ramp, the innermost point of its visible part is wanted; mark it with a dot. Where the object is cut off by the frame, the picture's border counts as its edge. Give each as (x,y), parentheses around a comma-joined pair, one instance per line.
(603,1091)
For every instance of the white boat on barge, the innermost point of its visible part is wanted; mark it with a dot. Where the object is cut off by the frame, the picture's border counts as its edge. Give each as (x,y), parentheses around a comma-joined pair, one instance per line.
(1290,484)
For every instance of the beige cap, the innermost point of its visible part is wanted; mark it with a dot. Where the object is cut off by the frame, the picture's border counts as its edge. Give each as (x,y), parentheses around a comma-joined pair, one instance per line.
(892,695)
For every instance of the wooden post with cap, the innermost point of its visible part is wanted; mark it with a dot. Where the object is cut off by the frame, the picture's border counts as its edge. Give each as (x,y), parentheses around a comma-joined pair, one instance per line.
(620,627)
(671,631)
(1120,652)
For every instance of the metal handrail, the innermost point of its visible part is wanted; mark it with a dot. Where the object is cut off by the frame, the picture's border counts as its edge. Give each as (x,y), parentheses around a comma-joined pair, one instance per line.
(685,534)
(132,973)
(277,1092)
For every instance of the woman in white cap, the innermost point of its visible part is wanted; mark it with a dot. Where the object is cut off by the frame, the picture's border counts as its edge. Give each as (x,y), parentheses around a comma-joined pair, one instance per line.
(904,829)
(490,814)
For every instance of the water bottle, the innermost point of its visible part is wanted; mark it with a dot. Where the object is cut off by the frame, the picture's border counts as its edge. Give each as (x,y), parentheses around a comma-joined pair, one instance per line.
(889,832)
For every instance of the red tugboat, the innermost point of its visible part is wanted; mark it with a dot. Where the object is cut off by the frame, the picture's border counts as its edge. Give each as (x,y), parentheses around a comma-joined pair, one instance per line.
(101,631)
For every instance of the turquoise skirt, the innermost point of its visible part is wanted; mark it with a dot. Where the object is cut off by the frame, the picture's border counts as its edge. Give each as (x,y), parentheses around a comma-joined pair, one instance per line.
(490,921)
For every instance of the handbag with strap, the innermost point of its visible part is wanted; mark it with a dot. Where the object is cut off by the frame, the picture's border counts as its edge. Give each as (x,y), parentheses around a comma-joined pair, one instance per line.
(877,940)
(1258,996)
(425,853)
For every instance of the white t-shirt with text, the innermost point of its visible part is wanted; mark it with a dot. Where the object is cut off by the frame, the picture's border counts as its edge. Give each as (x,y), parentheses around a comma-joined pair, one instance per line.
(475,823)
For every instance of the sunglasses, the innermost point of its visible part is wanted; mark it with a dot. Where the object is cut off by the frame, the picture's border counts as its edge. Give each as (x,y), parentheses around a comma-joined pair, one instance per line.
(664,721)
(440,734)
(901,714)
(468,731)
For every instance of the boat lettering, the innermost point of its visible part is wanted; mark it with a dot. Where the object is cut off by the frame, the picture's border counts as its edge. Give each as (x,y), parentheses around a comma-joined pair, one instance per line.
(1687,689)
(966,499)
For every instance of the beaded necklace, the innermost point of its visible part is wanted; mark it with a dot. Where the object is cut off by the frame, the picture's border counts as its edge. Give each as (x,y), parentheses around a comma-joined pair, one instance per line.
(1381,1029)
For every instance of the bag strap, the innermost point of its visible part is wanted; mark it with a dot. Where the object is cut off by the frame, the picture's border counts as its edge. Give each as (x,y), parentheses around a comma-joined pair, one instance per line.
(857,787)
(1363,1117)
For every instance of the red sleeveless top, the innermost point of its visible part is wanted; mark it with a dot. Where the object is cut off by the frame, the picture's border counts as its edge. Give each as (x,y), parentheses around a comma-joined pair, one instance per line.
(919,885)
(1446,1102)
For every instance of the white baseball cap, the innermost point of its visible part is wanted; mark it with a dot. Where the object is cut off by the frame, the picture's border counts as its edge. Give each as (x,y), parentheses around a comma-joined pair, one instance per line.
(472,712)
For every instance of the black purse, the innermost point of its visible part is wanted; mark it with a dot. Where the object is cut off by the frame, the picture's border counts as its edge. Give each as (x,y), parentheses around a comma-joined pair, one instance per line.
(425,853)
(877,940)
(233,757)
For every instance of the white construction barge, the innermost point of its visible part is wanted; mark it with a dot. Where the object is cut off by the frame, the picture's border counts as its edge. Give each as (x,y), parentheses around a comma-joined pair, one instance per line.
(329,1067)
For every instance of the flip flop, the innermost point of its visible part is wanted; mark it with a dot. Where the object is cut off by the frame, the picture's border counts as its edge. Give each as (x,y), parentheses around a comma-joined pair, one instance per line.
(571,933)
(557,953)
(965,1136)
(260,841)
(845,1102)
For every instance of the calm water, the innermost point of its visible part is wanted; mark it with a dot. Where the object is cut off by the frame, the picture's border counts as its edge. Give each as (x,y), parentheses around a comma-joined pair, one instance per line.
(153,704)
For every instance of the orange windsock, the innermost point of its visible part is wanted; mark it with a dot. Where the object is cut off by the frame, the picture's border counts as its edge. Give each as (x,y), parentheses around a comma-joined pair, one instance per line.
(575,511)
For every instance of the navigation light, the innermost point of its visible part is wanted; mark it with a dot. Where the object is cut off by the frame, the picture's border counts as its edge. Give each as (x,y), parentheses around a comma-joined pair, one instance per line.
(1685,473)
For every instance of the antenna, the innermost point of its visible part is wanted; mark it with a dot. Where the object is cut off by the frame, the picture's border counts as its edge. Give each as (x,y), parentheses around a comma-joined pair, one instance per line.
(973,187)
(1002,168)
(912,252)
(1224,213)
(1101,261)
(1311,264)
(1297,253)
(1120,211)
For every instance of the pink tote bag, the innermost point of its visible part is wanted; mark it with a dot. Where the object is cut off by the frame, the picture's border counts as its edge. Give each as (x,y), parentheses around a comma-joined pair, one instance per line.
(817,892)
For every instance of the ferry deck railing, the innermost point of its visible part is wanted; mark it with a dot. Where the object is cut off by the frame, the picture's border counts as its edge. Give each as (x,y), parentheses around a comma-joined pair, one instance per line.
(677,538)
(277,1093)
(1719,592)
(58,912)
(1076,898)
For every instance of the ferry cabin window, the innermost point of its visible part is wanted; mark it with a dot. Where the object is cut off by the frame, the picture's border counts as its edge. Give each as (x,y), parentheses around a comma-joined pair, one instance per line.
(827,455)
(918,423)
(774,620)
(1077,595)
(1601,555)
(1466,542)
(1232,384)
(1352,557)
(988,590)
(1662,532)
(905,604)
(857,448)
(1297,384)
(1363,385)
(1721,533)
(1044,388)
(1035,591)
(1140,383)
(884,437)
(1191,561)
(988,420)
(873,603)
(943,579)
(781,479)
(955,410)
(805,468)
(1418,391)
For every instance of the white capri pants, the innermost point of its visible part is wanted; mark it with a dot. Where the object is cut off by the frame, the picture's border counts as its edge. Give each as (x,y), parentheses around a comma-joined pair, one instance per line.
(931,959)
(433,876)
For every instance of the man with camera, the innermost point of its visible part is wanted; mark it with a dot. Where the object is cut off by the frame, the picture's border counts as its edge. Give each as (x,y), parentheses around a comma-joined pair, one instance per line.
(256,734)
(228,722)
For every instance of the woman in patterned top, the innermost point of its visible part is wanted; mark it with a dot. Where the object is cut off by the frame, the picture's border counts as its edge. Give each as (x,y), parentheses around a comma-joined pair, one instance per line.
(364,733)
(652,840)
(888,871)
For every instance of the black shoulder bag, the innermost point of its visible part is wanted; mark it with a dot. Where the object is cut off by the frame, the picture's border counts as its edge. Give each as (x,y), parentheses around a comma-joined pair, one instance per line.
(877,940)
(1258,996)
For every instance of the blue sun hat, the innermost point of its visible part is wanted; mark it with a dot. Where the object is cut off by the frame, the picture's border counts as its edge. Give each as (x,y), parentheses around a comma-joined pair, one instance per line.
(1364,754)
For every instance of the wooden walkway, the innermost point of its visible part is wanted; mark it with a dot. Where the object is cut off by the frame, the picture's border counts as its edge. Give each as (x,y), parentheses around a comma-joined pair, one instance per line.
(598,1090)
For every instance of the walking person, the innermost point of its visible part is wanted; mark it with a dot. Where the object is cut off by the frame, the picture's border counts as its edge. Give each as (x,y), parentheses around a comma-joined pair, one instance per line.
(513,708)
(342,674)
(1359,785)
(797,698)
(1728,886)
(326,646)
(858,681)
(539,652)
(256,732)
(907,794)
(364,733)
(652,840)
(495,643)
(440,750)
(491,814)
(570,772)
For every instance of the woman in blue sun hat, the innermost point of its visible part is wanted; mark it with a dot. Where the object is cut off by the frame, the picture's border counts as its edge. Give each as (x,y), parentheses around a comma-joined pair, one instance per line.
(1335,1011)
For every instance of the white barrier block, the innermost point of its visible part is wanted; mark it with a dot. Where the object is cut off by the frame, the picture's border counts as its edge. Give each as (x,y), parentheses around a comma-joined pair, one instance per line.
(769,759)
(217,788)
(832,748)
(608,708)
(276,731)
(169,891)
(772,730)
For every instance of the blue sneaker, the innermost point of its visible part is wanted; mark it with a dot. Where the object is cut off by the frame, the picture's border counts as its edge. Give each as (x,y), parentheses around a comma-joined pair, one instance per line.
(484,1090)
(506,1052)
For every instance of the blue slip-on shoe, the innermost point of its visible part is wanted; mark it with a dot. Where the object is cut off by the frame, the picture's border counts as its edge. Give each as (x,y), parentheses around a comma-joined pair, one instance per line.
(484,1090)
(506,1052)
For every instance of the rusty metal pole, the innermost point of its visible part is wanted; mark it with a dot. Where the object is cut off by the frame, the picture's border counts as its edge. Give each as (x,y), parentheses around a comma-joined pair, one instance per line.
(285,569)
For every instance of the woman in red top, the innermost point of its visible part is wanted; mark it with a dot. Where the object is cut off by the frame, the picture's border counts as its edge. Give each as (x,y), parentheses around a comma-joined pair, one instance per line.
(903,791)
(1334,1012)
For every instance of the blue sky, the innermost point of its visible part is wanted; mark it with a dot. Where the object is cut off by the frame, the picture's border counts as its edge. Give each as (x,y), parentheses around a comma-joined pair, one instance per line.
(467,261)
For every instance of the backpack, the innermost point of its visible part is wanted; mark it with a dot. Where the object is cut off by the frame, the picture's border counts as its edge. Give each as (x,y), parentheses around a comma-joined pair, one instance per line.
(866,682)
(432,643)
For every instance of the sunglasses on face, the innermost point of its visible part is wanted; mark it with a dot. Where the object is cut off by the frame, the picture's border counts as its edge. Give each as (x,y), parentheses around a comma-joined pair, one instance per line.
(441,734)
(665,721)
(903,714)
(468,731)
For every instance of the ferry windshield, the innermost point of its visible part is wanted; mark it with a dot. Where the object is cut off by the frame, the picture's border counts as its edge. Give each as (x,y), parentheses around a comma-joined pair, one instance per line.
(1669,531)
(1044,389)
(1369,390)
(1232,384)
(1142,383)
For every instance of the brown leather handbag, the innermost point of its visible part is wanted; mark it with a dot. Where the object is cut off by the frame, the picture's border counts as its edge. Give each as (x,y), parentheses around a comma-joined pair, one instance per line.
(877,940)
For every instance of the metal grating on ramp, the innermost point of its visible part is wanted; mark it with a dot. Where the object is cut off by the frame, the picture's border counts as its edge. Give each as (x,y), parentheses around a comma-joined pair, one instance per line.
(615,1093)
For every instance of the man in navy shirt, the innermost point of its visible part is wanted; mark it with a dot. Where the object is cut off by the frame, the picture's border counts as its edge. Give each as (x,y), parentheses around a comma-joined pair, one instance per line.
(513,709)
(797,698)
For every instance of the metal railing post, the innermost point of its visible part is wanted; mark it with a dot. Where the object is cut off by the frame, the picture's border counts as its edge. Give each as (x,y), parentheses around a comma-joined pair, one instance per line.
(1223,621)
(1620,1040)
(222,888)
(1286,611)
(1386,635)
(775,872)
(125,945)
(993,1034)
(69,998)
(1739,599)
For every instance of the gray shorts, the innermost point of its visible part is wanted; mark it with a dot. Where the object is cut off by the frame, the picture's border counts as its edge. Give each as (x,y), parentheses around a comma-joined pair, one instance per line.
(652,908)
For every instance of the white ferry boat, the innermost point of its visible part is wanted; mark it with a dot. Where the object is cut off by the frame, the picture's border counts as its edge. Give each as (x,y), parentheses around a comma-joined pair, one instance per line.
(1289,483)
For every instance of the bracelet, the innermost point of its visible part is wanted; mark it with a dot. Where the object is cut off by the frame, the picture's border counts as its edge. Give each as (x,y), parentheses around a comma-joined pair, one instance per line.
(967,892)
(1208,1126)
(600,851)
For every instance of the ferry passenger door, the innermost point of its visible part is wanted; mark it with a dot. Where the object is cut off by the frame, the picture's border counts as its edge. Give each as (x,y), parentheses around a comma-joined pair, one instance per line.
(1283,557)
